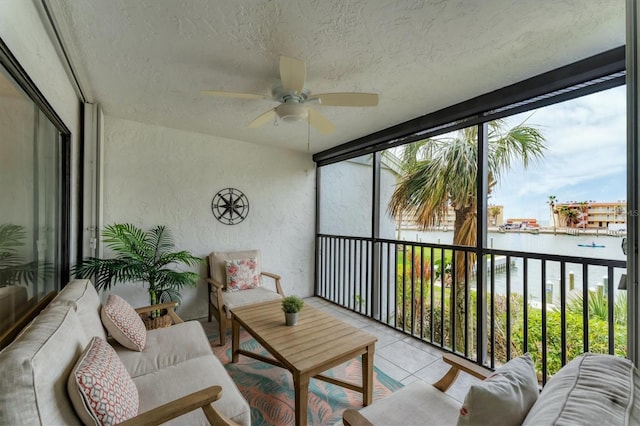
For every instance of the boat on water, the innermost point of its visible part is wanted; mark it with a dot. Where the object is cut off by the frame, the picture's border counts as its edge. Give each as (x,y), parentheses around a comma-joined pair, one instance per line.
(594,245)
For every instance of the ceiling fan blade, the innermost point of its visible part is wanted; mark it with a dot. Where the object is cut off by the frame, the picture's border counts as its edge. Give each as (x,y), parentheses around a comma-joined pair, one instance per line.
(292,73)
(320,122)
(347,99)
(238,95)
(263,119)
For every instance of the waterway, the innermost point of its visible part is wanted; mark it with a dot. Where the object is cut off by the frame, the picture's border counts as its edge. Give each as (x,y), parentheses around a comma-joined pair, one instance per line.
(561,244)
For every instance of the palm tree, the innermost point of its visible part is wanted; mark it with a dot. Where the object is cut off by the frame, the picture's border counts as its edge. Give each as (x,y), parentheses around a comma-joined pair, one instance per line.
(494,211)
(442,171)
(552,206)
(144,257)
(563,215)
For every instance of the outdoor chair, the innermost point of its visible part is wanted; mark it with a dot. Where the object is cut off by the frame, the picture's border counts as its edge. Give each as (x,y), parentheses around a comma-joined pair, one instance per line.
(235,279)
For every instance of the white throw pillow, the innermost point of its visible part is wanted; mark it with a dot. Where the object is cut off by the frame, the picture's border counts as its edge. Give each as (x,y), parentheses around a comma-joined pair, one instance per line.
(124,323)
(242,274)
(100,388)
(504,398)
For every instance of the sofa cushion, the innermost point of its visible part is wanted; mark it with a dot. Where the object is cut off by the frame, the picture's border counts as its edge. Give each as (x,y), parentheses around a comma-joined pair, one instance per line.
(173,382)
(507,395)
(165,347)
(241,274)
(82,295)
(100,388)
(124,323)
(35,369)
(591,389)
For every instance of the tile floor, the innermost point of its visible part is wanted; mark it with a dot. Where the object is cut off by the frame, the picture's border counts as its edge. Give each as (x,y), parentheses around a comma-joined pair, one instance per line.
(400,357)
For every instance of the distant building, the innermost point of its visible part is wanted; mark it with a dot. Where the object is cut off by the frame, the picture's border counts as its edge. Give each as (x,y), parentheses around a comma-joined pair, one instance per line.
(495,217)
(590,214)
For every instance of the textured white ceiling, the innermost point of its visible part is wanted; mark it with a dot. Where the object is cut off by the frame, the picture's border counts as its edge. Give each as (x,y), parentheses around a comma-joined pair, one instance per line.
(148,60)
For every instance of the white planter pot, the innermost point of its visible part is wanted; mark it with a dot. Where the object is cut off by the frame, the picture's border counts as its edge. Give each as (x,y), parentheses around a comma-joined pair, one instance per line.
(291,318)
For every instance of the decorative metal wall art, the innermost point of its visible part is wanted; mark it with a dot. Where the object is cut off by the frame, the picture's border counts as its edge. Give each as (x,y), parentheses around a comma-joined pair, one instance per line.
(230,206)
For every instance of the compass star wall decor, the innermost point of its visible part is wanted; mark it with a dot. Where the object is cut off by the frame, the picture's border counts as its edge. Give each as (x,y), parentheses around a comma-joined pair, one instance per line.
(230,206)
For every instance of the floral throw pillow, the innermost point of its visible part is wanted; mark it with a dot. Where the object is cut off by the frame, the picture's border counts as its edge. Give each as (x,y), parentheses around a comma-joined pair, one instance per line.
(242,274)
(123,323)
(100,388)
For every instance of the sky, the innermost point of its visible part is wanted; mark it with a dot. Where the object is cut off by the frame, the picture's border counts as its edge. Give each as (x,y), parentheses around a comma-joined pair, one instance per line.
(585,158)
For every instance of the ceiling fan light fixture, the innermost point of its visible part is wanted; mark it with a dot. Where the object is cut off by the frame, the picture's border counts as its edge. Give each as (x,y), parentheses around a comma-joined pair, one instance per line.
(292,112)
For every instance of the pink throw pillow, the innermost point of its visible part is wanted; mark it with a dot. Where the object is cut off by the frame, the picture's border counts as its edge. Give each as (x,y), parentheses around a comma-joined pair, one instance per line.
(242,274)
(124,323)
(100,388)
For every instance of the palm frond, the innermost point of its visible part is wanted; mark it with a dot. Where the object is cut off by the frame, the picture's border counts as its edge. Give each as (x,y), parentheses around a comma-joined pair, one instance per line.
(11,236)
(140,257)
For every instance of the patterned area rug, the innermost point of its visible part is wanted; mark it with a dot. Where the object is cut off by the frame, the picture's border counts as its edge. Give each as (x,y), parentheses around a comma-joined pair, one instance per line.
(269,389)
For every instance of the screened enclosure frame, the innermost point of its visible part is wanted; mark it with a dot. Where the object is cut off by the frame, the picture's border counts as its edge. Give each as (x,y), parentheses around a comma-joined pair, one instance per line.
(594,74)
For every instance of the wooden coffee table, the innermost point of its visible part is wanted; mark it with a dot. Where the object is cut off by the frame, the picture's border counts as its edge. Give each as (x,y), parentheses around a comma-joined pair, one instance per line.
(317,343)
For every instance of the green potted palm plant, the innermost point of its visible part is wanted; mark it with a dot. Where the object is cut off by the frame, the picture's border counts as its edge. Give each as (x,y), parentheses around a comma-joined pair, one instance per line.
(145,257)
(291,305)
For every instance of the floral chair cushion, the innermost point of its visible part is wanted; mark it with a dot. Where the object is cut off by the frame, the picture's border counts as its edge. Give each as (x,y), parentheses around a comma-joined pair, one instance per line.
(242,274)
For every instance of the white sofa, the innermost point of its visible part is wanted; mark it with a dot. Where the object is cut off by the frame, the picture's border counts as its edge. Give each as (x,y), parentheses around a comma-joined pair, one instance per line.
(592,389)
(175,362)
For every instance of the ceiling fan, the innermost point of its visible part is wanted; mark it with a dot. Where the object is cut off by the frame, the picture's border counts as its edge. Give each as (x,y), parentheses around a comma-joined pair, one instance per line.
(295,99)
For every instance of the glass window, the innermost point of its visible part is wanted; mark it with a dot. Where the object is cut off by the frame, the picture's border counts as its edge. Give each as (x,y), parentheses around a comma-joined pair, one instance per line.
(30,210)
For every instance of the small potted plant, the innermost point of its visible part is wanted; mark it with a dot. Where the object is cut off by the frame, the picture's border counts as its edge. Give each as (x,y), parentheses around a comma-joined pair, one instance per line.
(291,305)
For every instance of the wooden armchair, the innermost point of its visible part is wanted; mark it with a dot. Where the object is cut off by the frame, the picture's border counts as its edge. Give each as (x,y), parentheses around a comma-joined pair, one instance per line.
(222,301)
(418,403)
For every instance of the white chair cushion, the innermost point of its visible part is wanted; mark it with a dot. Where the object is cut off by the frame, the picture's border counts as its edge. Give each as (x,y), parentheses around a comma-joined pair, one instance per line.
(217,263)
(591,389)
(100,388)
(247,297)
(124,324)
(503,398)
(242,274)
(418,403)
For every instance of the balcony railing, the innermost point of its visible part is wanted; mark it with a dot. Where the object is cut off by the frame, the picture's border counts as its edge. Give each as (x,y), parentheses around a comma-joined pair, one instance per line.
(526,302)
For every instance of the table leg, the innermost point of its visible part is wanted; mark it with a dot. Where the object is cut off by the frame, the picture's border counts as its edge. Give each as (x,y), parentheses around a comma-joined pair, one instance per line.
(301,388)
(367,375)
(235,340)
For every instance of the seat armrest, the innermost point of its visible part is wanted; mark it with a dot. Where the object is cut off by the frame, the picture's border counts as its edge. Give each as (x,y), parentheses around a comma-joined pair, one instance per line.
(459,364)
(351,417)
(218,285)
(276,278)
(197,400)
(169,306)
(467,366)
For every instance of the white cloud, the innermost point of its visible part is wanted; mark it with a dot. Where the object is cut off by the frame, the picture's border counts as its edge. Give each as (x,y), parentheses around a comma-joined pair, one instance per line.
(585,159)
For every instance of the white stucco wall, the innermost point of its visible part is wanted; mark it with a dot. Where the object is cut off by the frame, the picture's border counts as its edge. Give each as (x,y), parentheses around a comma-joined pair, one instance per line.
(160,176)
(23,32)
